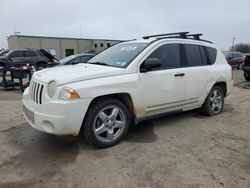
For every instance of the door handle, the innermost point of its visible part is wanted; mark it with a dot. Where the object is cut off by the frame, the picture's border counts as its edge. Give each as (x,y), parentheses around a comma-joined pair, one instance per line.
(179,74)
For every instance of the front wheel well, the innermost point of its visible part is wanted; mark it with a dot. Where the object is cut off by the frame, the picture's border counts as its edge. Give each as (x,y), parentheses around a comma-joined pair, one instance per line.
(125,98)
(223,86)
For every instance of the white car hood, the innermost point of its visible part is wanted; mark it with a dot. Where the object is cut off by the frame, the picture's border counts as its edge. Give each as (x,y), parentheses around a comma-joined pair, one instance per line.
(75,73)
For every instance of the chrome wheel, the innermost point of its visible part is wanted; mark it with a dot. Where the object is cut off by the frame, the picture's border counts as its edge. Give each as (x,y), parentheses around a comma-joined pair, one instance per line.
(109,124)
(216,101)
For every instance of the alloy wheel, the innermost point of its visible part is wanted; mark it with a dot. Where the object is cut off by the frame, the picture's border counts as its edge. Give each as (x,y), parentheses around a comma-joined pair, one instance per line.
(216,101)
(109,124)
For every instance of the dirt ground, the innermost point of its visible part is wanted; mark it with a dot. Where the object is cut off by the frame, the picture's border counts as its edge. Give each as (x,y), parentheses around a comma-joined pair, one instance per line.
(181,150)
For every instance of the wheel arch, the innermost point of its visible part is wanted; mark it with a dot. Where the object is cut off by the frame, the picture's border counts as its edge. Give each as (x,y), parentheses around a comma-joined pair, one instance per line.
(223,86)
(125,98)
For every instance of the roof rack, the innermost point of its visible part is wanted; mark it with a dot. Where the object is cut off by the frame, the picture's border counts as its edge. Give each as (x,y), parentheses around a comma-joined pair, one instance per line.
(183,35)
(179,34)
(196,36)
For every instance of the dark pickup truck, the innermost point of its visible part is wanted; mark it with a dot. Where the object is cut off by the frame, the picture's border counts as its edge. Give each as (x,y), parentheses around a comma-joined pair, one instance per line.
(21,57)
(246,67)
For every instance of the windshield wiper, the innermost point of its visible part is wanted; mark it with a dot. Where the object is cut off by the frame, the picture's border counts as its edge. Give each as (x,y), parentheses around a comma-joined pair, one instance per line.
(99,63)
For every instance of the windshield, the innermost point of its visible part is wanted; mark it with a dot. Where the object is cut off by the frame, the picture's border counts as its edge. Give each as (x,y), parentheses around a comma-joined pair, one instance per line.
(120,55)
(67,59)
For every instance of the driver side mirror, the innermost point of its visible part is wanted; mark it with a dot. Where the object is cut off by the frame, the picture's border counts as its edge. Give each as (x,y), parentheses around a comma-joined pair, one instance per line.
(150,64)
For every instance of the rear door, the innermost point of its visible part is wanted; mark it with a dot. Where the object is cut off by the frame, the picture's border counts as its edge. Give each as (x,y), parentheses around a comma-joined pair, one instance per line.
(198,69)
(30,57)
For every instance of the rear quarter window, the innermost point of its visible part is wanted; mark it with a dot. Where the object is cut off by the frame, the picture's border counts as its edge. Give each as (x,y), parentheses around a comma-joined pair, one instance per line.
(211,55)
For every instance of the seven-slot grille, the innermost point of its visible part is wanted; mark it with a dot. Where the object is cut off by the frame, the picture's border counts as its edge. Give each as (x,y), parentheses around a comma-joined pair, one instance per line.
(36,91)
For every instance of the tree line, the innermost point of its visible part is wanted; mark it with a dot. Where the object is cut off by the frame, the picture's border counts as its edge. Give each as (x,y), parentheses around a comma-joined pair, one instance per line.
(241,47)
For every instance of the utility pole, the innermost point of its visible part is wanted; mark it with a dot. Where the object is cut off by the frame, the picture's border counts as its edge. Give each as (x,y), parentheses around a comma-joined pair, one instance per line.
(233,43)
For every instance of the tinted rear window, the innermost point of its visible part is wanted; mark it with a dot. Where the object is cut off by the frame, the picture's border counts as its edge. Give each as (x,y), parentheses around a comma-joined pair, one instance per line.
(203,56)
(193,55)
(30,54)
(212,54)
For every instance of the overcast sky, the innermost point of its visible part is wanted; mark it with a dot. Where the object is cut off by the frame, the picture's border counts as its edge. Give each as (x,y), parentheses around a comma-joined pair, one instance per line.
(218,20)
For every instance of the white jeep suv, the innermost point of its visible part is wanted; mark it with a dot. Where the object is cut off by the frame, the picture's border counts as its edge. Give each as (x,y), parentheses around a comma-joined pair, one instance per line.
(128,81)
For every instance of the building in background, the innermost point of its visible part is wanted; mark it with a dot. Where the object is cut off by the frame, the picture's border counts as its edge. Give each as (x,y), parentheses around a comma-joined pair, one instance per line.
(58,46)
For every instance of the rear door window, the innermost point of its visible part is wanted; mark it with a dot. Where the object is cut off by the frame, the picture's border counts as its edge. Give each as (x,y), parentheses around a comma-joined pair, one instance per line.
(193,55)
(30,54)
(203,56)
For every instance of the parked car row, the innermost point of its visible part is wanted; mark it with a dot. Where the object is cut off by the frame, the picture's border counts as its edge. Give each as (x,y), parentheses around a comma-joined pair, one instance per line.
(235,59)
(76,58)
(38,58)
(240,61)
(21,57)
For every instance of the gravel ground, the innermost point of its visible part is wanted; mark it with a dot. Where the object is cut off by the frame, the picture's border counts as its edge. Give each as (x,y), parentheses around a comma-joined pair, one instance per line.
(178,150)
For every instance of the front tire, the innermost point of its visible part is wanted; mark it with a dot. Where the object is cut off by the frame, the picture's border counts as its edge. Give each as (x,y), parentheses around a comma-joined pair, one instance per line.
(107,123)
(214,102)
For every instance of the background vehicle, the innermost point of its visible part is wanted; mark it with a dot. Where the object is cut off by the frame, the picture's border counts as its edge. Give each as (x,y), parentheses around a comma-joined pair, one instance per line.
(126,82)
(4,52)
(75,59)
(235,59)
(21,57)
(246,67)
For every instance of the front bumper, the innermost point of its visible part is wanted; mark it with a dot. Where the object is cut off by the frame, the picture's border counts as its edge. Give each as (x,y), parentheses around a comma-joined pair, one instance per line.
(55,117)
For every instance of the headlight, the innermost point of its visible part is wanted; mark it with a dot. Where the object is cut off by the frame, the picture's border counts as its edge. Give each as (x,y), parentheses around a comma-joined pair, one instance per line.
(52,88)
(68,93)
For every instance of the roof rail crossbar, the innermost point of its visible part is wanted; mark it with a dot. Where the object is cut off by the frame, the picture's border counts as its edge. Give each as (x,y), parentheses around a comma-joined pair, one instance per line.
(180,34)
(196,36)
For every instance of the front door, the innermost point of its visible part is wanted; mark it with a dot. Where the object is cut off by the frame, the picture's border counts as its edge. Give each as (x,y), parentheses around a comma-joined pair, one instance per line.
(164,88)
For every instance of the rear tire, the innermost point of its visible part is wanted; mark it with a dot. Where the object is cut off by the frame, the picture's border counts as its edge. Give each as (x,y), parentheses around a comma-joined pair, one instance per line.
(247,76)
(107,122)
(214,102)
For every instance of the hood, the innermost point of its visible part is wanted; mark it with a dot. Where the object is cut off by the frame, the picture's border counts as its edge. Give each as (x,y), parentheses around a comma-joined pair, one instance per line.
(48,55)
(75,73)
